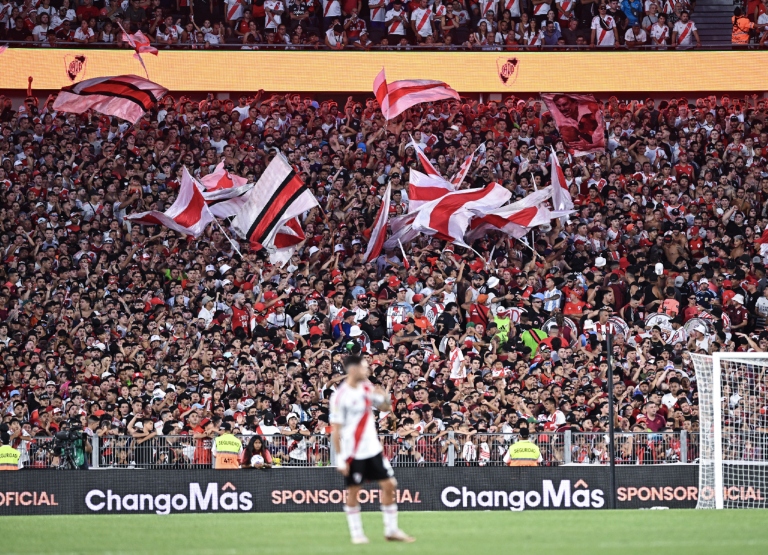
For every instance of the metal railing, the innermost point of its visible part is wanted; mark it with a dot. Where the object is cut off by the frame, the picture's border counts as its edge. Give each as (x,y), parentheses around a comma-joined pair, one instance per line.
(261,47)
(634,448)
(423,450)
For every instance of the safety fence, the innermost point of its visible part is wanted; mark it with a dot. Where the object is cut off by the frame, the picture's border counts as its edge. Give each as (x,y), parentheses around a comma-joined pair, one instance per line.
(452,448)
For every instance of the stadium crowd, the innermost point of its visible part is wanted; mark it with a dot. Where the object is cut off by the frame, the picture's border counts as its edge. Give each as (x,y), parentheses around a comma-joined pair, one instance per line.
(136,334)
(337,24)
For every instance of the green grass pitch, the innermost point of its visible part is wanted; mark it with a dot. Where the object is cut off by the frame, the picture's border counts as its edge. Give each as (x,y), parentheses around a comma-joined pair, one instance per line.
(536,533)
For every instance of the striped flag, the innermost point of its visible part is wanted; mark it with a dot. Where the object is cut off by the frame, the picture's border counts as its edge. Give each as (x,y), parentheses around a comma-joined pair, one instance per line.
(222,179)
(459,176)
(425,188)
(402,230)
(429,169)
(448,217)
(396,97)
(189,215)
(127,97)
(287,238)
(140,44)
(379,231)
(561,195)
(279,196)
(514,222)
(227,202)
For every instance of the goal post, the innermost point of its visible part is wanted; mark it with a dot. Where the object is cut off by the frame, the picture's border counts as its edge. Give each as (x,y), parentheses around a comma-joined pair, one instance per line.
(733,425)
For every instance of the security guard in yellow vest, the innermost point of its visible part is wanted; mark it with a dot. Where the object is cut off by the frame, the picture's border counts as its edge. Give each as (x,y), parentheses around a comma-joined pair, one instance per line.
(524,452)
(226,450)
(9,457)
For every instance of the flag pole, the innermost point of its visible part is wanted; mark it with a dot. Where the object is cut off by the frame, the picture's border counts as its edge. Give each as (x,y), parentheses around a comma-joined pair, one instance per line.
(231,241)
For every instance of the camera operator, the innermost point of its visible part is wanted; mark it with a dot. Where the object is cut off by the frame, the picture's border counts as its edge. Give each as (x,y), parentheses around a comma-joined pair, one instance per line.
(72,446)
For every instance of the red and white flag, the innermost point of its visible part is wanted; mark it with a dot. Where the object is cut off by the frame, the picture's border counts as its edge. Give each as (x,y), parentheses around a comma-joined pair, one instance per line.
(379,231)
(127,97)
(512,221)
(280,195)
(448,217)
(461,174)
(561,195)
(227,202)
(140,44)
(189,215)
(425,188)
(287,238)
(426,164)
(402,230)
(396,97)
(222,179)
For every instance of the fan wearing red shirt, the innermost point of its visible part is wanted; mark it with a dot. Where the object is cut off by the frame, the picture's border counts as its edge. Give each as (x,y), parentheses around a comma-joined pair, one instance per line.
(240,314)
(651,417)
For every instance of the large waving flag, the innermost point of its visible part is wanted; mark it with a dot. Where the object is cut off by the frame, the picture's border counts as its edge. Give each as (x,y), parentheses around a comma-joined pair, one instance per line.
(448,217)
(222,179)
(140,44)
(396,97)
(189,215)
(513,221)
(279,196)
(227,202)
(402,230)
(425,188)
(379,231)
(128,97)
(561,195)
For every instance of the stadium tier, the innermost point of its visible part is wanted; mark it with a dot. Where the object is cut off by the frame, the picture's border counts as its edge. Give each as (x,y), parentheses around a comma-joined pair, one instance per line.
(434,270)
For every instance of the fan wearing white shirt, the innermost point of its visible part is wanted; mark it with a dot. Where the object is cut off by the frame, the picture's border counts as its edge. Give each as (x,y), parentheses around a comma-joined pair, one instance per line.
(635,36)
(684,32)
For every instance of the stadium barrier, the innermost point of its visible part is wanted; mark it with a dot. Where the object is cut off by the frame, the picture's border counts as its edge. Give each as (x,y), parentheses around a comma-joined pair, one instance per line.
(491,72)
(426,450)
(276,490)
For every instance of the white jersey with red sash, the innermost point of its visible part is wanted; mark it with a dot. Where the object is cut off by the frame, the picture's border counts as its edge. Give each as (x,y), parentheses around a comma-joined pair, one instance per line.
(234,9)
(377,9)
(532,38)
(331,8)
(513,6)
(423,20)
(659,33)
(685,32)
(272,21)
(486,6)
(566,9)
(604,32)
(541,9)
(351,408)
(395,26)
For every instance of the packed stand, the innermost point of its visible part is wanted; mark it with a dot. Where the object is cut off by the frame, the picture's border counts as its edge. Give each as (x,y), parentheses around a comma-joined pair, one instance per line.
(146,338)
(354,24)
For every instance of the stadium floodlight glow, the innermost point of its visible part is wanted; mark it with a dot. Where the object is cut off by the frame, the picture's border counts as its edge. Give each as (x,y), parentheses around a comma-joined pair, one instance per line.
(733,422)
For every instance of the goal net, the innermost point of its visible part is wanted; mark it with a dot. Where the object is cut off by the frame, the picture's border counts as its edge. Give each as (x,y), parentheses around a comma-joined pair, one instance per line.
(733,459)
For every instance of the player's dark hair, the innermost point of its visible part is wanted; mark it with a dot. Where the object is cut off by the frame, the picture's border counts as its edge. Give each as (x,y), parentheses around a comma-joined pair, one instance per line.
(352,360)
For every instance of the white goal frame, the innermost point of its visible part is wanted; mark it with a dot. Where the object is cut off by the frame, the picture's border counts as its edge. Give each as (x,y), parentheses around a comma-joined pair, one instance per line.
(717,360)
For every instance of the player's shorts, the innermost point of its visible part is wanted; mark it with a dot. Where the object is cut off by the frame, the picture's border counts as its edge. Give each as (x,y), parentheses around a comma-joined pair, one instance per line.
(369,470)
